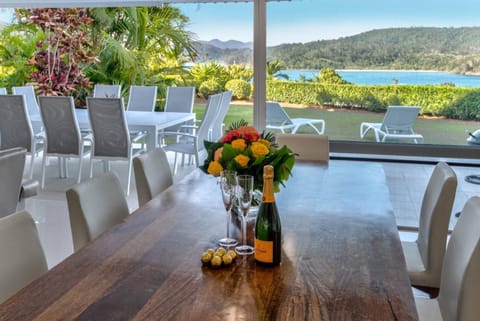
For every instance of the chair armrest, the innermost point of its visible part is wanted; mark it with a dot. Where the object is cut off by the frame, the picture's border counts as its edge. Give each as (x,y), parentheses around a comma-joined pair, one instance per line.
(29,188)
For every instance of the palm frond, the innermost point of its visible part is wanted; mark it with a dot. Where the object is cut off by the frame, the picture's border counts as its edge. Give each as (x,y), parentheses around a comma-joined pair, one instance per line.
(237,124)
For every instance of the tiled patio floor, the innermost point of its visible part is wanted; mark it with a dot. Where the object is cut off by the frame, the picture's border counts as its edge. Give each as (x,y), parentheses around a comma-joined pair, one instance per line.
(406,183)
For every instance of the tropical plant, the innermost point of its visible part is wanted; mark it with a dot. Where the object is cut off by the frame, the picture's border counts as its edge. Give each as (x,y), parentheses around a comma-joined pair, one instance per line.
(212,70)
(273,70)
(18,44)
(329,76)
(138,45)
(240,72)
(240,88)
(63,51)
(210,87)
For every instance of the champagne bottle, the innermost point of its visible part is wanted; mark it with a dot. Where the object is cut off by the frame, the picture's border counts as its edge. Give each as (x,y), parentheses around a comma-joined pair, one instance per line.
(268,230)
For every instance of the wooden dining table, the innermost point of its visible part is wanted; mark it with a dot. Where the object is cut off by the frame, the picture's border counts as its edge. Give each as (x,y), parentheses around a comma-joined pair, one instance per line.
(341,260)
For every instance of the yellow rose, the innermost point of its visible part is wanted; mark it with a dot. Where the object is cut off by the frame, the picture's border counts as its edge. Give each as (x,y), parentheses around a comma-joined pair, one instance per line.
(239,144)
(214,168)
(264,142)
(242,160)
(259,149)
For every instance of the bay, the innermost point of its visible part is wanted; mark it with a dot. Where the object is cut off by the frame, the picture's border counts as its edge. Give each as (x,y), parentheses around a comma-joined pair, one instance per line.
(389,77)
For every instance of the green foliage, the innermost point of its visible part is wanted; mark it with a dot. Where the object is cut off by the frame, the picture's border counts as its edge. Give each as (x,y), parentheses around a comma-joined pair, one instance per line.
(329,76)
(241,89)
(273,69)
(210,87)
(454,102)
(211,71)
(240,72)
(446,49)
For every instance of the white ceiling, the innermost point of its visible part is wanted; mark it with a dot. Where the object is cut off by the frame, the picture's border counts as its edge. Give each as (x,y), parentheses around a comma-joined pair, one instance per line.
(99,3)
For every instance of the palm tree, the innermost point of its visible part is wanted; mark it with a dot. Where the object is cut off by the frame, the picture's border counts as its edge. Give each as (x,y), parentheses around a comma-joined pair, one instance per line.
(273,69)
(136,43)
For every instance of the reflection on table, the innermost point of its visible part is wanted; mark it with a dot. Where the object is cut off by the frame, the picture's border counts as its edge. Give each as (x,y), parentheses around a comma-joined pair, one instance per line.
(342,259)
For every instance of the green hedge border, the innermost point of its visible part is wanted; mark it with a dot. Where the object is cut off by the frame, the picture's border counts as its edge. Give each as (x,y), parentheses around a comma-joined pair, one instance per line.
(435,100)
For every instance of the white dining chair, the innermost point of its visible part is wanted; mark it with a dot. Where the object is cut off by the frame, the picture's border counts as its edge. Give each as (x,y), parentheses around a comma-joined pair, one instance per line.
(307,147)
(217,128)
(12,163)
(152,174)
(3,91)
(190,144)
(21,253)
(31,103)
(424,257)
(142,98)
(16,129)
(63,138)
(107,91)
(94,206)
(460,278)
(111,137)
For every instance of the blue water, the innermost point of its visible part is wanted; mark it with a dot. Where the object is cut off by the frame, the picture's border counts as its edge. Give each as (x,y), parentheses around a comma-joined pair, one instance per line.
(368,77)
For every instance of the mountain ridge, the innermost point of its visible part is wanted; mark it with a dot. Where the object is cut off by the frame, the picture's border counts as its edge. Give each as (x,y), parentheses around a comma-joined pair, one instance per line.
(453,49)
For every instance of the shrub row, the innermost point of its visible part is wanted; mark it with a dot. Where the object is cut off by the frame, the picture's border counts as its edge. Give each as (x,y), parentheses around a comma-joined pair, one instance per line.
(448,101)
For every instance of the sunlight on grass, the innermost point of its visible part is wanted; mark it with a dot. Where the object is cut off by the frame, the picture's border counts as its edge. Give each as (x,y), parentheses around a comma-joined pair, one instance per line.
(342,124)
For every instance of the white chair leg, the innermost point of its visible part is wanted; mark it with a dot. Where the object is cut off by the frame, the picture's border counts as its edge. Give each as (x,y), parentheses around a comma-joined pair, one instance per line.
(129,175)
(32,158)
(91,167)
(65,167)
(44,165)
(79,177)
(175,164)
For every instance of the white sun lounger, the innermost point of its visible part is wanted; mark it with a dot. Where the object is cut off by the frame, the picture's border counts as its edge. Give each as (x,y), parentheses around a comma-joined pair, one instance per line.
(277,118)
(397,124)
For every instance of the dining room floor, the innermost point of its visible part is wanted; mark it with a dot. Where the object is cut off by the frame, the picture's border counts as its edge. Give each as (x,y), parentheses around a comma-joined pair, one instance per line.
(406,183)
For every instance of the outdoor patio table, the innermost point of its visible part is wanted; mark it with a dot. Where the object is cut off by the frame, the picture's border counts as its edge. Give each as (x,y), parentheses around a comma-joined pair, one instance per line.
(151,122)
(342,259)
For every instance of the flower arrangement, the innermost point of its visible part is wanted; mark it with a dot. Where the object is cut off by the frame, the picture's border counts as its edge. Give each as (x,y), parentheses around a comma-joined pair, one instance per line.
(246,151)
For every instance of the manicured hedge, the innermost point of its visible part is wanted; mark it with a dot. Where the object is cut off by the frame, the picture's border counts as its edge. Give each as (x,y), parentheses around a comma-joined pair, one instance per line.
(448,101)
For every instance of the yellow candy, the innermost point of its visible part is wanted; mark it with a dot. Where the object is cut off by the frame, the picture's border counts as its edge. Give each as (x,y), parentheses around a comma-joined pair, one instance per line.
(211,251)
(216,261)
(232,254)
(206,257)
(227,259)
(222,251)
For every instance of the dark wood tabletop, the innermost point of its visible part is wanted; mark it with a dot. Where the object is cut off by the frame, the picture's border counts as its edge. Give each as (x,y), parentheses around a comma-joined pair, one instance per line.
(342,259)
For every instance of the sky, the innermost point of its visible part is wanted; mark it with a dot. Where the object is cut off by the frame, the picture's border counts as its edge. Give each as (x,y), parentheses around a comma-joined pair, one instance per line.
(310,20)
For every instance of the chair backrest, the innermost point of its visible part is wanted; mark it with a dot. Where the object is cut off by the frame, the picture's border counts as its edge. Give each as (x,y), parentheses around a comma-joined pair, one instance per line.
(434,218)
(3,91)
(400,118)
(308,147)
(12,162)
(460,283)
(109,125)
(142,98)
(30,99)
(203,133)
(94,206)
(152,174)
(62,133)
(276,115)
(23,259)
(217,127)
(107,91)
(180,99)
(15,127)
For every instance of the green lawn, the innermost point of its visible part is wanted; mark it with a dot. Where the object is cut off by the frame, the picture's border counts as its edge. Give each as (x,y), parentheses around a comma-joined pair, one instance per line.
(344,124)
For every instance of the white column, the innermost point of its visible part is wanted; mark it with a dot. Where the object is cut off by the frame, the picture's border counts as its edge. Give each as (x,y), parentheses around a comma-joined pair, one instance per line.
(259,63)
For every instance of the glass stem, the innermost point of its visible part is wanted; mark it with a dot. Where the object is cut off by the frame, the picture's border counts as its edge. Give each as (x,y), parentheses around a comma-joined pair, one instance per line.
(229,213)
(244,229)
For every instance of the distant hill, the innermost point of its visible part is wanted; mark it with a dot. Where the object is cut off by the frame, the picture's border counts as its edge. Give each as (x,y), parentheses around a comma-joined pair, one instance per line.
(416,48)
(227,52)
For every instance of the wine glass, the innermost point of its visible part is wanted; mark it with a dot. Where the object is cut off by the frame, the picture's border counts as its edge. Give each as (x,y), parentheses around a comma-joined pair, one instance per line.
(244,197)
(228,183)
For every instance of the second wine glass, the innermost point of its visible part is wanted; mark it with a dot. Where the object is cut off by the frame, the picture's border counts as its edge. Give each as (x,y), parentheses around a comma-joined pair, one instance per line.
(244,197)
(228,183)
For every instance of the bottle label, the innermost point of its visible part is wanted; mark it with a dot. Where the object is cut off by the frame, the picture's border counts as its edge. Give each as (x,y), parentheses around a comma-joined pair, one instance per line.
(264,251)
